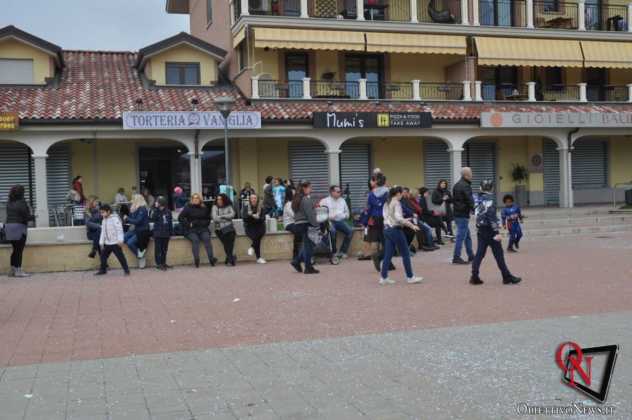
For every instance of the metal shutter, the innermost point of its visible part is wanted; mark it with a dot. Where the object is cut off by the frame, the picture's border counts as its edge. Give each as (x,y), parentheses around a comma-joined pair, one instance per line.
(355,171)
(590,164)
(308,162)
(481,157)
(551,157)
(14,170)
(58,172)
(436,163)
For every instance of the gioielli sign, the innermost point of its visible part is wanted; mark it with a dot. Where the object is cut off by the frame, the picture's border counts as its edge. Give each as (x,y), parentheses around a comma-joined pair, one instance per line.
(556,119)
(372,120)
(9,121)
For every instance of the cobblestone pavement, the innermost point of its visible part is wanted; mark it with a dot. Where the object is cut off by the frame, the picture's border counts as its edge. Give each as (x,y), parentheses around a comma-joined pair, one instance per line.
(264,342)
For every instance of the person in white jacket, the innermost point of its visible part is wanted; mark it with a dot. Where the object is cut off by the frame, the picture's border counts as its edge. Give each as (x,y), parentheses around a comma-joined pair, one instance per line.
(338,214)
(111,240)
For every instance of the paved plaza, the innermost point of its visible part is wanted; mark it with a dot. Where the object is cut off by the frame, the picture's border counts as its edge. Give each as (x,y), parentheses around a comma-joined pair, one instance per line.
(264,342)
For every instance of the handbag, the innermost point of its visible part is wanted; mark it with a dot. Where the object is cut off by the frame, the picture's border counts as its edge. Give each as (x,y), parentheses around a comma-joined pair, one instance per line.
(437,209)
(227,229)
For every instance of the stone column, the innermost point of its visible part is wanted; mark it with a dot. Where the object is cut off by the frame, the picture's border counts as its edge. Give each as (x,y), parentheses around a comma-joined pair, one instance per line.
(529,6)
(334,167)
(581,15)
(195,168)
(41,191)
(582,92)
(413,11)
(478,90)
(465,14)
(566,184)
(416,90)
(629,92)
(475,14)
(255,87)
(362,94)
(360,9)
(245,9)
(304,9)
(307,85)
(467,90)
(456,163)
(531,91)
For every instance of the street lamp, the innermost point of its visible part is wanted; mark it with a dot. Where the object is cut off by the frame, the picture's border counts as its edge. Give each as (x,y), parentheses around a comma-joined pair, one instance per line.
(225,105)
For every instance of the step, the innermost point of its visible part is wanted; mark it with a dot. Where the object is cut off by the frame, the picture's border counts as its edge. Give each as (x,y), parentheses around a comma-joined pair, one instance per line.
(553,213)
(577,230)
(597,220)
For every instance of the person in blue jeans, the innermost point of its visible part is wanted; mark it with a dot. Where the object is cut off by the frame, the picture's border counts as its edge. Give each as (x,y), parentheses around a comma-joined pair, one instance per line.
(304,217)
(338,214)
(463,206)
(137,238)
(394,237)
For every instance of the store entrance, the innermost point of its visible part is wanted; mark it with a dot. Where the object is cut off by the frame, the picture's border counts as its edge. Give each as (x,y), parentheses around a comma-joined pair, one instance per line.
(161,169)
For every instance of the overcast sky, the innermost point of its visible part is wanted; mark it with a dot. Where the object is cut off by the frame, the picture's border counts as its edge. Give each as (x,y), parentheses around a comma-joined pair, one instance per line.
(113,25)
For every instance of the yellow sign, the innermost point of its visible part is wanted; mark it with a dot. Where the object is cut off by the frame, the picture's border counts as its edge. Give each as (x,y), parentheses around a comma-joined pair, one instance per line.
(383,120)
(9,121)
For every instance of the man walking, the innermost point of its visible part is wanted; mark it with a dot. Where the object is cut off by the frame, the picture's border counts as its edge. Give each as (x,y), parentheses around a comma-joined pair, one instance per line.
(338,213)
(463,206)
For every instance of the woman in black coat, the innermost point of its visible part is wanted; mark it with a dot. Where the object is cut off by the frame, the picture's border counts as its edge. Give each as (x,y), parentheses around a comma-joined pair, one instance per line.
(195,218)
(443,195)
(18,217)
(255,225)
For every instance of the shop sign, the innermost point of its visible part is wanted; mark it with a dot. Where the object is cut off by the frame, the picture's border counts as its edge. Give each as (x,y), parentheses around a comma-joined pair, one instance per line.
(372,120)
(9,121)
(556,119)
(190,120)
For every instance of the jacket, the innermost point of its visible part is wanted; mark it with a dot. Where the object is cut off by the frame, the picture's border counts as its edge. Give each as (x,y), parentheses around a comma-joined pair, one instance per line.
(510,216)
(306,212)
(140,219)
(393,216)
(376,201)
(163,222)
(486,217)
(254,221)
(18,212)
(288,215)
(195,218)
(111,231)
(338,209)
(268,197)
(93,224)
(462,200)
(222,216)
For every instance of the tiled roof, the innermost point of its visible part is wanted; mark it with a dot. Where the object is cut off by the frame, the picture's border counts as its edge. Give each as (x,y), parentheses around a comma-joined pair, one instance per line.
(96,85)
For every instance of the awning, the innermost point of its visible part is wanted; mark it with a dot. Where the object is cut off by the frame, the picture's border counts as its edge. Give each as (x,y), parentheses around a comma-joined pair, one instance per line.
(308,39)
(616,55)
(528,52)
(415,43)
(239,36)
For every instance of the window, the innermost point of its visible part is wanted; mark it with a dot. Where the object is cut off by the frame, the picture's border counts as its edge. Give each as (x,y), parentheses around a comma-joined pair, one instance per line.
(296,68)
(551,6)
(369,67)
(243,56)
(183,73)
(16,72)
(209,12)
(554,78)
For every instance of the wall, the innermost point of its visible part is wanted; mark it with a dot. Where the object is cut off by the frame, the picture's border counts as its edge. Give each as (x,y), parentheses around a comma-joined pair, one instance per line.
(266,62)
(273,160)
(619,76)
(424,67)
(511,150)
(620,160)
(401,159)
(184,54)
(42,66)
(326,61)
(249,163)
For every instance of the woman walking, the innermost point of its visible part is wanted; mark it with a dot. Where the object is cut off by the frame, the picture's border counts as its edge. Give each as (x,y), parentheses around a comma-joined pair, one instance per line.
(394,237)
(290,226)
(223,215)
(93,225)
(18,217)
(304,217)
(255,225)
(196,219)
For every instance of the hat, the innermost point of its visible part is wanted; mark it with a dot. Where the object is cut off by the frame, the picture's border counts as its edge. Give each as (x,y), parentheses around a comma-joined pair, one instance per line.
(177,190)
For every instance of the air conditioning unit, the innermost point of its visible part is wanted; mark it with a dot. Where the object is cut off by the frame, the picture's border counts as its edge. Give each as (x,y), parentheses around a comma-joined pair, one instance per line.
(261,6)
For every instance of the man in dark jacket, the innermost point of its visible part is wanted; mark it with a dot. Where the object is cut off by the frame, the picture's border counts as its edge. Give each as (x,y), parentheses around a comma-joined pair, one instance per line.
(463,206)
(488,235)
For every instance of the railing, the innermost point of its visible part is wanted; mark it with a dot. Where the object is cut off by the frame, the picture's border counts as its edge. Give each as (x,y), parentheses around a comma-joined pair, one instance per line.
(334,89)
(503,13)
(237,9)
(397,90)
(394,10)
(555,14)
(276,89)
(441,91)
(439,11)
(608,93)
(274,7)
(504,92)
(606,17)
(560,93)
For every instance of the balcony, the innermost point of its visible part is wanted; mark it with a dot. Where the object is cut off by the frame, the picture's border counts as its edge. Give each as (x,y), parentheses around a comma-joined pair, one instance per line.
(503,13)
(606,17)
(556,14)
(505,92)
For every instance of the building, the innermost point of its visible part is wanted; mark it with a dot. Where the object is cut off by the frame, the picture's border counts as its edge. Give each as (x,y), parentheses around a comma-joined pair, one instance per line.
(437,85)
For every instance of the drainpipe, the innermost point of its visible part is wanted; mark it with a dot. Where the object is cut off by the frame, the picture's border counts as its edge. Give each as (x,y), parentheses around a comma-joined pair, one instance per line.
(569,145)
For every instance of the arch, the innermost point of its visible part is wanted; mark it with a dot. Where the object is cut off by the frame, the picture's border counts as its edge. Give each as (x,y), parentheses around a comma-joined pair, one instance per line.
(140,138)
(293,137)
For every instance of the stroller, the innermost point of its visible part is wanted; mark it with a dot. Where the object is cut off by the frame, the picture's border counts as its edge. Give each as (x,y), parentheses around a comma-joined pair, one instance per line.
(323,237)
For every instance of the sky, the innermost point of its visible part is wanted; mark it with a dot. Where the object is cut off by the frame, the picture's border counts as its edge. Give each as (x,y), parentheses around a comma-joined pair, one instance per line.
(112,25)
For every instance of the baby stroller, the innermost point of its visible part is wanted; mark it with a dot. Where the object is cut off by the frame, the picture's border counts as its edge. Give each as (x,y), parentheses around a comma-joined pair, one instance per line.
(322,236)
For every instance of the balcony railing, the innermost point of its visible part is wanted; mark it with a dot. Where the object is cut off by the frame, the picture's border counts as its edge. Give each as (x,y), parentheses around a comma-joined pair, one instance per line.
(398,90)
(555,14)
(608,93)
(331,89)
(441,91)
(560,93)
(606,17)
(503,13)
(439,11)
(504,92)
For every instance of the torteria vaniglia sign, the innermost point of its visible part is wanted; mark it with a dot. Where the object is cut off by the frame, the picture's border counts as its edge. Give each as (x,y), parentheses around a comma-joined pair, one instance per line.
(556,119)
(190,120)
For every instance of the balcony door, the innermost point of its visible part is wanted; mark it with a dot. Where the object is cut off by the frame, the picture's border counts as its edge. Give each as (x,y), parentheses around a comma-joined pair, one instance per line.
(499,83)
(496,12)
(369,67)
(296,68)
(596,80)
(593,14)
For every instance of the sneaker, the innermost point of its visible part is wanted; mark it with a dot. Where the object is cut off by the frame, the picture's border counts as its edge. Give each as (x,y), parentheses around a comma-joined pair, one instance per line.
(297,266)
(428,248)
(261,261)
(476,280)
(142,263)
(414,280)
(310,270)
(517,245)
(364,258)
(141,254)
(20,273)
(512,280)
(251,251)
(459,261)
(386,281)
(343,256)
(511,249)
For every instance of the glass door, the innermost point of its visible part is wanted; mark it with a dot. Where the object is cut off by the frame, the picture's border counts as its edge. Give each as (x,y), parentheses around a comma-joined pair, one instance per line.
(296,65)
(369,67)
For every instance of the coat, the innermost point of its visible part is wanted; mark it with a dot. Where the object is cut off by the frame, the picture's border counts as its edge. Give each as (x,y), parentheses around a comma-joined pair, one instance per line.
(195,218)
(140,219)
(163,222)
(255,222)
(93,224)
(18,218)
(462,199)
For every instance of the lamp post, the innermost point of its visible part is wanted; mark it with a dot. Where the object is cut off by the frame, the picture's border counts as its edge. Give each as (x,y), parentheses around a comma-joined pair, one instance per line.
(225,105)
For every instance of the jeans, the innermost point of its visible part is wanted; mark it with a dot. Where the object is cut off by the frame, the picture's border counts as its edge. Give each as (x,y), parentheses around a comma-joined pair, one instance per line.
(228,240)
(486,239)
(18,251)
(131,240)
(515,234)
(395,238)
(463,236)
(118,252)
(161,247)
(427,232)
(342,227)
(307,249)
(298,240)
(197,236)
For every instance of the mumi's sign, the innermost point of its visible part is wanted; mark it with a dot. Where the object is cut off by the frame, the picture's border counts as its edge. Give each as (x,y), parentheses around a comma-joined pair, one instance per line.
(556,119)
(189,120)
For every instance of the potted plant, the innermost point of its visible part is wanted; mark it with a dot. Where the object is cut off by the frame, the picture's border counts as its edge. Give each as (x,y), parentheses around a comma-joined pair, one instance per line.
(520,175)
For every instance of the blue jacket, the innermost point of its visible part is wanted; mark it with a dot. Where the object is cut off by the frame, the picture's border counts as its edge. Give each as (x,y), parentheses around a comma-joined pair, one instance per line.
(140,219)
(513,214)
(163,222)
(93,225)
(485,211)
(376,201)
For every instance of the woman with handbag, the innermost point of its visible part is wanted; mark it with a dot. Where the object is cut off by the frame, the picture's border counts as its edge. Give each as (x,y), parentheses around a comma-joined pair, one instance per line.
(442,197)
(255,225)
(195,219)
(223,215)
(18,217)
(431,217)
(304,217)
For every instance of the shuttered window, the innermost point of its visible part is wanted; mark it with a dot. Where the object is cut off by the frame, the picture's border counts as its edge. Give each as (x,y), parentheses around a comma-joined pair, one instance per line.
(308,162)
(481,157)
(355,170)
(16,72)
(551,157)
(59,177)
(14,170)
(590,164)
(436,162)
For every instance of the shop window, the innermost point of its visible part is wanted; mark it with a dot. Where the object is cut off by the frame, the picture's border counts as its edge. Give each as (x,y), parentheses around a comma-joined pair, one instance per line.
(209,12)
(16,72)
(183,73)
(296,68)
(161,169)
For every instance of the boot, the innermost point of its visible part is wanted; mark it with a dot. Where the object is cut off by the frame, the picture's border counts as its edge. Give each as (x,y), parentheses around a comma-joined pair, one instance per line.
(197,263)
(20,273)
(511,279)
(212,261)
(377,261)
(11,272)
(511,249)
(391,267)
(476,280)
(92,254)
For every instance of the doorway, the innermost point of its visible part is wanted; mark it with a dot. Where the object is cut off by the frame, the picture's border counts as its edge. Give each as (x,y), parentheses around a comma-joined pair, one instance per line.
(161,169)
